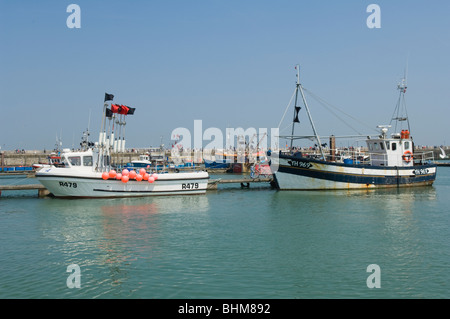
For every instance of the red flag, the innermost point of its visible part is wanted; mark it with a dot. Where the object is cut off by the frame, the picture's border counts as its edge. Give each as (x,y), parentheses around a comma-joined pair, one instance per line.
(123,109)
(115,108)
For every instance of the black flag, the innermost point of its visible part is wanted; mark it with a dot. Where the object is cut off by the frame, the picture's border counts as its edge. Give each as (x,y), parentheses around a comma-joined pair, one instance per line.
(297,109)
(131,110)
(108,97)
(109,113)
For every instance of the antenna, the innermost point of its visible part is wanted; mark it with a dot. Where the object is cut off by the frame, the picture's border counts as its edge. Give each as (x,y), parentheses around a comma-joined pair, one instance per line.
(406,69)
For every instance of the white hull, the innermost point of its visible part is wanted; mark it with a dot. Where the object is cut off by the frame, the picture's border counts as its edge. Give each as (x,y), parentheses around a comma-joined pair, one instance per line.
(92,185)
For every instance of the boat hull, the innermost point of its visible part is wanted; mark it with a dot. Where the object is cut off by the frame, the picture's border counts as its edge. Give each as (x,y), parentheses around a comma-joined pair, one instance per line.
(298,173)
(85,186)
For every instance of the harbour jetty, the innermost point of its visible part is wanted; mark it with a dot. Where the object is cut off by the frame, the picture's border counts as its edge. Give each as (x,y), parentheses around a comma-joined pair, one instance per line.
(243,181)
(42,191)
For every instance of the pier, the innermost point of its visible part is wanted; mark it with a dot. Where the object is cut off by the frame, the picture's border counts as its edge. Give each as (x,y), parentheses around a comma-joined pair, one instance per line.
(244,182)
(443,164)
(42,191)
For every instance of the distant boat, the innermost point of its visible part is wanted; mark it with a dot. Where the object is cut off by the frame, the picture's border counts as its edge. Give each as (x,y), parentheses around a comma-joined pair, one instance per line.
(442,155)
(216,164)
(52,160)
(142,162)
(389,162)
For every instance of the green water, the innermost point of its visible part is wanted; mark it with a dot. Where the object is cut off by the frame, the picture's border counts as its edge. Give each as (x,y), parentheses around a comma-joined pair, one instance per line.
(232,243)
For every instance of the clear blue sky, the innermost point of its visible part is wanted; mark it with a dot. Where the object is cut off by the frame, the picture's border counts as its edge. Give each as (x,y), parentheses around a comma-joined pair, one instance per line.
(229,63)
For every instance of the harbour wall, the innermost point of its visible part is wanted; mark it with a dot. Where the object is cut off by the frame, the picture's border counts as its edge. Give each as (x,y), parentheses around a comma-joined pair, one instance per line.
(28,158)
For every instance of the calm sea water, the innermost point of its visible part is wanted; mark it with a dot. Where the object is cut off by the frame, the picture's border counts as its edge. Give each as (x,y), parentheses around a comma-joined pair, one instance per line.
(231,243)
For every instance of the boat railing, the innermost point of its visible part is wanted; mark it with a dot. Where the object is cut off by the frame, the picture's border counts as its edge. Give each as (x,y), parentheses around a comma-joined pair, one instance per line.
(348,156)
(352,156)
(358,156)
(423,157)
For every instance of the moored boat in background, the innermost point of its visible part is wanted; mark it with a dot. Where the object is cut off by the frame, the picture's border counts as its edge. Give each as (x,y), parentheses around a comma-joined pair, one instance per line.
(390,161)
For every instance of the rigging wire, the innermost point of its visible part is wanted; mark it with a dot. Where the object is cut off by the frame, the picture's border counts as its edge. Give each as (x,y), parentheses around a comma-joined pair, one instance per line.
(287,107)
(325,103)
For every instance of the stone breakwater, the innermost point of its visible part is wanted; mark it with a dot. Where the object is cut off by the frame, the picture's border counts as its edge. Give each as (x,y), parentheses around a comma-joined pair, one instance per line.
(28,158)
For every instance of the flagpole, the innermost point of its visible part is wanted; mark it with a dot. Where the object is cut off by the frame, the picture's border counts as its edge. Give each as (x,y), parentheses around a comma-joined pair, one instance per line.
(123,134)
(117,135)
(101,138)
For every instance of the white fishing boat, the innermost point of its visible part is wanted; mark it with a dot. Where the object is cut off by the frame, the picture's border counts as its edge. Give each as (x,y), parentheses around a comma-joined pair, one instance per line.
(89,173)
(390,160)
(442,155)
(52,160)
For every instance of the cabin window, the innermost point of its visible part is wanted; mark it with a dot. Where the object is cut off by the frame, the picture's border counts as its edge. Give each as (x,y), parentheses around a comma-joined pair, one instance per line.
(388,145)
(406,145)
(394,146)
(377,146)
(382,145)
(65,162)
(75,160)
(87,160)
(370,147)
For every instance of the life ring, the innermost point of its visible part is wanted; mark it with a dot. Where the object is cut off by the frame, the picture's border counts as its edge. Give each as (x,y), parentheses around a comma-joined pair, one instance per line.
(407,156)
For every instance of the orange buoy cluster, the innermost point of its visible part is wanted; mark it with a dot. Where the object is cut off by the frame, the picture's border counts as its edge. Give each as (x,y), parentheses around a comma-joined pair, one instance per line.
(405,134)
(126,175)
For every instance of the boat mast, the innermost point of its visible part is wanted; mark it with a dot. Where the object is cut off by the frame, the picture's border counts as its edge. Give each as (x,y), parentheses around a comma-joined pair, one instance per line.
(310,119)
(102,147)
(400,112)
(296,108)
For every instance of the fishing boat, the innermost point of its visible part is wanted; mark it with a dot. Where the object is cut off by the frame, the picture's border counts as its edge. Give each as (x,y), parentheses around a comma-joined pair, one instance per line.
(142,162)
(390,159)
(442,155)
(216,164)
(52,160)
(89,173)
